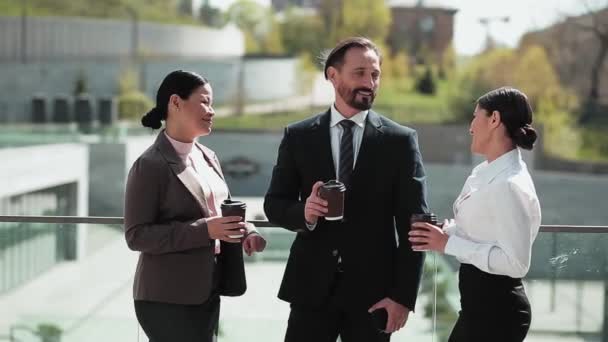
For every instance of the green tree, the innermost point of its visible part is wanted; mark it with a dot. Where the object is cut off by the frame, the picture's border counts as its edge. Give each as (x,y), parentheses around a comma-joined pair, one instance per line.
(272,42)
(150,10)
(211,16)
(534,74)
(132,102)
(369,18)
(448,62)
(527,69)
(185,7)
(302,33)
(427,84)
(246,15)
(81,84)
(261,31)
(401,66)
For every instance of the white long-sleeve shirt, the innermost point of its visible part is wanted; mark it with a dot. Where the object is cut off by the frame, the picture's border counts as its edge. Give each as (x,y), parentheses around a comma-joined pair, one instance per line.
(496,217)
(336,130)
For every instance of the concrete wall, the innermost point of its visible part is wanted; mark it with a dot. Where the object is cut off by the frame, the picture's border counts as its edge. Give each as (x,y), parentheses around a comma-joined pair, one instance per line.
(27,169)
(553,163)
(267,79)
(58,38)
(34,168)
(248,159)
(270,79)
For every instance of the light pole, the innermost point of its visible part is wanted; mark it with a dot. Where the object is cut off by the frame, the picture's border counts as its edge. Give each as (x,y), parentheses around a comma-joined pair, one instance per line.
(486,22)
(134,33)
(134,16)
(23,31)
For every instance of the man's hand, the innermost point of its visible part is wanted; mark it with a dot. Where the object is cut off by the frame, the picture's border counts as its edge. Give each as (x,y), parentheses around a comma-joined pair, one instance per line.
(397,314)
(254,242)
(315,206)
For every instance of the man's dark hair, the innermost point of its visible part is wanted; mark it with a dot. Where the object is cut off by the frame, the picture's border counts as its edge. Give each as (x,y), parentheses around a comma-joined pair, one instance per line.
(335,57)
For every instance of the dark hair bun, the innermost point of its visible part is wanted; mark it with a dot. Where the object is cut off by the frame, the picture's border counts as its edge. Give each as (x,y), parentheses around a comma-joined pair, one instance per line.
(152,119)
(525,137)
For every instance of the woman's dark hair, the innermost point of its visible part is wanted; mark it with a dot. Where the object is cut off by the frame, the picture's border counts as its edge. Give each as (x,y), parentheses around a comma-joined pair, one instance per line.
(179,82)
(515,114)
(335,57)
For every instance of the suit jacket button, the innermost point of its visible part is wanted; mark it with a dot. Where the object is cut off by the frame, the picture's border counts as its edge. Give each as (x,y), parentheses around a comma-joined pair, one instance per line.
(334,252)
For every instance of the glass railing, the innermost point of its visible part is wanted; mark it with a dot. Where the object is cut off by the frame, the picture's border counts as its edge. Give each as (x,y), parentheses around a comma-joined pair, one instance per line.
(66,279)
(567,286)
(65,282)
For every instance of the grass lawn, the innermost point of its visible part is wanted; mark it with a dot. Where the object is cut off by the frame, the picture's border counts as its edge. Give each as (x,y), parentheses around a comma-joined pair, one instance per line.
(396,102)
(402,104)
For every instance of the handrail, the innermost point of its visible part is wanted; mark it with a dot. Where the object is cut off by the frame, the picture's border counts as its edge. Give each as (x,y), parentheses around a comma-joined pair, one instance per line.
(258,223)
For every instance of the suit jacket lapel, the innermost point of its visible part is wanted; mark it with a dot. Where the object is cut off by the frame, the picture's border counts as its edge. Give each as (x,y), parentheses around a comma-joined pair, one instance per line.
(322,138)
(369,145)
(186,175)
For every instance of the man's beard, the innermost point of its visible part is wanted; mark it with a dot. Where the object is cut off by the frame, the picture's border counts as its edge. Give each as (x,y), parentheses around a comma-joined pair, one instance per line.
(350,97)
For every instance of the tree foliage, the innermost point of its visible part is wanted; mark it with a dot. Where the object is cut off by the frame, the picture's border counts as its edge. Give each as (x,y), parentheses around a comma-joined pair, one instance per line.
(302,33)
(258,23)
(527,69)
(368,18)
(168,11)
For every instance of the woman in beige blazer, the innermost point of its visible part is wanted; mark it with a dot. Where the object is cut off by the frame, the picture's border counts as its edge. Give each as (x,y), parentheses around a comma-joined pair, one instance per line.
(172,217)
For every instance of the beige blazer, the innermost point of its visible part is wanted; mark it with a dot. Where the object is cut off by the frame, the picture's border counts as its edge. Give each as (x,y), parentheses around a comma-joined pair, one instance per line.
(165,219)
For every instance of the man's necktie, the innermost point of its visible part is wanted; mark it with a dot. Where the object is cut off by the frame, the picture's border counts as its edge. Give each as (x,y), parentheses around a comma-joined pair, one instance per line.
(346,152)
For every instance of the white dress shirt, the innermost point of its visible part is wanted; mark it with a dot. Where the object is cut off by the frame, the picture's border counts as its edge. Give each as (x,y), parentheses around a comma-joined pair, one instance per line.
(496,218)
(335,131)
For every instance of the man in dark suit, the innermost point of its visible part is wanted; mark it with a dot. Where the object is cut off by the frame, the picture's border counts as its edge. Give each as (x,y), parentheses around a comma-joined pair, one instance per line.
(339,272)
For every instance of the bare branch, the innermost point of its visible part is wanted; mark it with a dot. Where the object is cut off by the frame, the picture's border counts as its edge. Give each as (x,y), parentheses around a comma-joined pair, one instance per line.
(596,26)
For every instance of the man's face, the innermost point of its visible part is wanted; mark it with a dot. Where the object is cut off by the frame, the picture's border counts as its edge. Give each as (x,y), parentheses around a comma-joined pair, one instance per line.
(357,80)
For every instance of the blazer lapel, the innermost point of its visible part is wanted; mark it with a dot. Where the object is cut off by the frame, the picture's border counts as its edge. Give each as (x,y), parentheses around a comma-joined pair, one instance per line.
(211,158)
(322,138)
(185,174)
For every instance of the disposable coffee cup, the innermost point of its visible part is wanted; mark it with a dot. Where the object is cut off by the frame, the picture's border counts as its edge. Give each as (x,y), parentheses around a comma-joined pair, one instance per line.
(234,208)
(427,217)
(333,192)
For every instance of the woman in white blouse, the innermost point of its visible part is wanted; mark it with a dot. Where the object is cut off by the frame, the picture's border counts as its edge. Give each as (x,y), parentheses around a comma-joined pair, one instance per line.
(188,256)
(496,219)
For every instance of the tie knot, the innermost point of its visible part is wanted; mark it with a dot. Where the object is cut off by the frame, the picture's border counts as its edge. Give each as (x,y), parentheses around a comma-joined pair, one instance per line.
(347,124)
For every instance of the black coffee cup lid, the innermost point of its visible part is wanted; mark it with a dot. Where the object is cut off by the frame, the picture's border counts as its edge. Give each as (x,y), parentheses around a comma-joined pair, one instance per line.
(334,184)
(425,217)
(231,202)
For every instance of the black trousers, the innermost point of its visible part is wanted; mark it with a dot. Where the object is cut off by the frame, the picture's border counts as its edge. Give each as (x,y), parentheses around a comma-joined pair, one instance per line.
(164,322)
(337,318)
(494,308)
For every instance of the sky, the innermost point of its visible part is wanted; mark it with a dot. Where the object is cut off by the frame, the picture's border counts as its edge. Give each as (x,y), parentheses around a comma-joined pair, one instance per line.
(524,16)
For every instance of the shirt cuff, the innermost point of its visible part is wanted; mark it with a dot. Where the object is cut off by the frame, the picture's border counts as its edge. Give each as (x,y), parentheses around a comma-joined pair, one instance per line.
(450,229)
(459,247)
(310,227)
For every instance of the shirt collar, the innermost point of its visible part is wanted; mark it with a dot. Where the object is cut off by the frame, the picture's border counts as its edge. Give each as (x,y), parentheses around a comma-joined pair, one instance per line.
(181,148)
(486,172)
(336,117)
